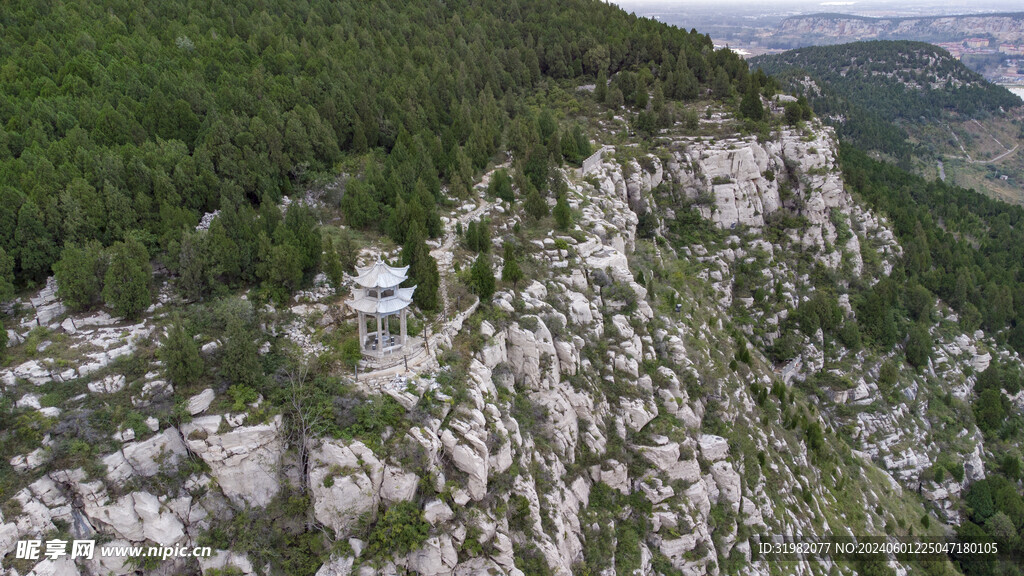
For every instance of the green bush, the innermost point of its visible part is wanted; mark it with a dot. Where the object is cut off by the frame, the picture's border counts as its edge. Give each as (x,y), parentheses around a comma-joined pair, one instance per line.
(399,530)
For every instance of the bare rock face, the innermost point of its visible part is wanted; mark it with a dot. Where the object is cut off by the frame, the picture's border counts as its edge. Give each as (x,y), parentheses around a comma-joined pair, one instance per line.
(246,461)
(736,181)
(225,561)
(468,450)
(713,447)
(346,482)
(139,516)
(398,485)
(146,458)
(437,556)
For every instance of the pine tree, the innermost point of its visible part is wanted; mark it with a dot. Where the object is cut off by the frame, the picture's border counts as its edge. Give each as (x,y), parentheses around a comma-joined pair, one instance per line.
(750,106)
(511,273)
(195,265)
(35,248)
(471,236)
(481,277)
(535,205)
(720,86)
(688,88)
(422,269)
(562,213)
(501,186)
(240,363)
(6,276)
(332,264)
(601,87)
(180,355)
(303,227)
(79,274)
(126,282)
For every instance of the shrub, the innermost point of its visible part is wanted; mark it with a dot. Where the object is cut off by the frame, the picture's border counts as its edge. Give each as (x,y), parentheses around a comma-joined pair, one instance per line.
(400,530)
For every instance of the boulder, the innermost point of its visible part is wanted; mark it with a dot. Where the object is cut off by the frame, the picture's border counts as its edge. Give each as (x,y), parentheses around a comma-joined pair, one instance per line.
(200,402)
(246,461)
(437,512)
(437,556)
(713,447)
(398,485)
(225,561)
(345,480)
(146,458)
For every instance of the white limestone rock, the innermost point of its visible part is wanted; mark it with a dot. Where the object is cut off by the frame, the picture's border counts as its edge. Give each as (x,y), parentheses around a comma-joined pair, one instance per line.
(713,447)
(346,482)
(246,461)
(201,402)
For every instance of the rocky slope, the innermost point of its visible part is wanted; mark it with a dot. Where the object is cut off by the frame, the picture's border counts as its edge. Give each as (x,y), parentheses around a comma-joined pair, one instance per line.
(596,419)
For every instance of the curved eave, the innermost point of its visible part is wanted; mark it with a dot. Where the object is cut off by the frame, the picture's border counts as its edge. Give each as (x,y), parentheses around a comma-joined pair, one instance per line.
(380,275)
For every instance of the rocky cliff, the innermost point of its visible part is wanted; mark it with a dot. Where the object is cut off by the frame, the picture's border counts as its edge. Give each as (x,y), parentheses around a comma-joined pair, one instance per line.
(616,414)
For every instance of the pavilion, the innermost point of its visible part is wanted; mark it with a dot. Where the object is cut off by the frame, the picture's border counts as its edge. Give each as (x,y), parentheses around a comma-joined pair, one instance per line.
(377,294)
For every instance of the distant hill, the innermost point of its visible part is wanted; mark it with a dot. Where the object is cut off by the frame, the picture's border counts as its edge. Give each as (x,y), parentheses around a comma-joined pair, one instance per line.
(872,90)
(838,28)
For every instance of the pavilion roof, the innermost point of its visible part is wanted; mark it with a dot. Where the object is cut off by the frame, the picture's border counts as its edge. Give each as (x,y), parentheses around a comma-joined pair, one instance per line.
(380,275)
(390,305)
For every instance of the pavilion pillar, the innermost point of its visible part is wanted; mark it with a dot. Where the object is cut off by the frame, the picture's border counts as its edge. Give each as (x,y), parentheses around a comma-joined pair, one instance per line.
(380,335)
(403,330)
(362,331)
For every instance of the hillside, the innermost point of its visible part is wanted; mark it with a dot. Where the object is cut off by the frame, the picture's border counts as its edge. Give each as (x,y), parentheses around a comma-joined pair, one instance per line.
(843,28)
(659,314)
(913,103)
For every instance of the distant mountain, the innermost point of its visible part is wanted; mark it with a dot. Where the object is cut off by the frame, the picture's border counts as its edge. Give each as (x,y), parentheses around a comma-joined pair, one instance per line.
(872,90)
(837,28)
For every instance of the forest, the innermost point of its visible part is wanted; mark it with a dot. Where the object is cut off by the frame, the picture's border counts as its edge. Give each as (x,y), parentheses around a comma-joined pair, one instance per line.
(127,121)
(962,246)
(866,89)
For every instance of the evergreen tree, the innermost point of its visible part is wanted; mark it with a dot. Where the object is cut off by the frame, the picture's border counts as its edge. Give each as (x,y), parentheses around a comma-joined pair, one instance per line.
(240,362)
(601,87)
(750,106)
(569,149)
(471,236)
(305,236)
(180,355)
(332,264)
(511,272)
(501,186)
(919,346)
(582,142)
(614,99)
(126,282)
(535,205)
(35,248)
(481,278)
(422,269)
(562,213)
(3,343)
(6,276)
(281,265)
(79,274)
(721,87)
(793,113)
(640,96)
(483,236)
(688,88)
(195,266)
